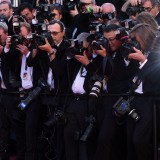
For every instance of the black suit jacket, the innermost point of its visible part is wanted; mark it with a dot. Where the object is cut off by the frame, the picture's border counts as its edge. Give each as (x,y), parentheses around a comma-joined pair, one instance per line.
(118,74)
(62,69)
(157,18)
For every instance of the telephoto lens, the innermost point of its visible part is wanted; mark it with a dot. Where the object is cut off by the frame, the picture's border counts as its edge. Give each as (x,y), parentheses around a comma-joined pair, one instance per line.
(32,95)
(96,89)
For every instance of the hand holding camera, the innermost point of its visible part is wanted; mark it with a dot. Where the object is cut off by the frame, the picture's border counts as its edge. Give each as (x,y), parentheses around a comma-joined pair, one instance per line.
(82,59)
(46,47)
(138,55)
(22,48)
(102,51)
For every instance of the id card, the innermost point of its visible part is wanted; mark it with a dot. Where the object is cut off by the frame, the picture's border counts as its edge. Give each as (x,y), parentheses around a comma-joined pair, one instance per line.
(25,76)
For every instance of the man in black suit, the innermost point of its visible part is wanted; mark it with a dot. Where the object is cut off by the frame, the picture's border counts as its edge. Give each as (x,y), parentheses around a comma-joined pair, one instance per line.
(6,10)
(117,72)
(62,69)
(28,68)
(152,6)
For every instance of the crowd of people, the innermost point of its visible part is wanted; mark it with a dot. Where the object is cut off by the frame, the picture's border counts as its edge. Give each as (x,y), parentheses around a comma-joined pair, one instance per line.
(78,80)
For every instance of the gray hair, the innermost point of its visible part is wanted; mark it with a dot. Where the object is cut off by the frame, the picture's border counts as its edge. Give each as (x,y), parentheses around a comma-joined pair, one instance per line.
(4,27)
(82,36)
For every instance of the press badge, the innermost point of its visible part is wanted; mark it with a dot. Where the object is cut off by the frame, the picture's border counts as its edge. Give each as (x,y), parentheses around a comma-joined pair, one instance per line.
(25,76)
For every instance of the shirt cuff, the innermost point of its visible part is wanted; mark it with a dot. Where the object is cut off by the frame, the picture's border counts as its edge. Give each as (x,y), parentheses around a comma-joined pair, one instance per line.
(6,50)
(142,64)
(27,55)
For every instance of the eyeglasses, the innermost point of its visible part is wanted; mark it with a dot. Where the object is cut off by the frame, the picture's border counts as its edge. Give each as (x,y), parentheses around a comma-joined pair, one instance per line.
(148,9)
(111,39)
(54,33)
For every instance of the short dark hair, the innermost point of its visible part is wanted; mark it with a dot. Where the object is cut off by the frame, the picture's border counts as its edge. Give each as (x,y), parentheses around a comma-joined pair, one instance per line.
(62,27)
(111,27)
(57,7)
(24,6)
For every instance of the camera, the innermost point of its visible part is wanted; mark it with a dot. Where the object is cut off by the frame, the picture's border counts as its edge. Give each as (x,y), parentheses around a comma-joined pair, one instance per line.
(122,107)
(70,5)
(97,43)
(121,34)
(33,94)
(17,20)
(127,47)
(74,48)
(43,12)
(96,31)
(3,19)
(58,117)
(108,16)
(38,40)
(95,17)
(96,89)
(128,23)
(16,39)
(131,11)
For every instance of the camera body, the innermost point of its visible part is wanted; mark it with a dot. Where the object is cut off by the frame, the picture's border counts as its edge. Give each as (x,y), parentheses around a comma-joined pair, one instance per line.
(99,42)
(122,107)
(16,39)
(70,5)
(74,48)
(127,47)
(95,16)
(128,23)
(43,12)
(134,9)
(127,43)
(17,20)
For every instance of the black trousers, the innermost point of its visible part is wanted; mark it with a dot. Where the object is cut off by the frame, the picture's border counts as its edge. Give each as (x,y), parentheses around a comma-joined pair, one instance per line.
(5,127)
(111,143)
(139,135)
(76,124)
(27,128)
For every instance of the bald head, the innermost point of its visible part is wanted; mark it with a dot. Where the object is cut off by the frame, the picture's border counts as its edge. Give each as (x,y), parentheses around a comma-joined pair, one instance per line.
(108,8)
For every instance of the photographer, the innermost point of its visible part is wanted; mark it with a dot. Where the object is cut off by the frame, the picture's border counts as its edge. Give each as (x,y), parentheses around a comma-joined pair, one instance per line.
(117,72)
(62,68)
(150,6)
(81,16)
(140,135)
(26,123)
(78,110)
(27,11)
